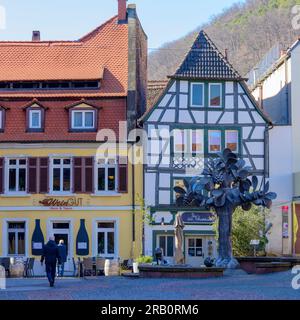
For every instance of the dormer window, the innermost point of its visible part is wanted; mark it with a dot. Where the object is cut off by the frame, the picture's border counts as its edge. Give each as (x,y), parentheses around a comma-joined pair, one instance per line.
(35,116)
(2,118)
(83,119)
(83,116)
(35,119)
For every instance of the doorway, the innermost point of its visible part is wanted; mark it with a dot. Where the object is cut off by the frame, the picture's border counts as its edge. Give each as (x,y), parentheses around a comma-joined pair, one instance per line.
(61,230)
(194,251)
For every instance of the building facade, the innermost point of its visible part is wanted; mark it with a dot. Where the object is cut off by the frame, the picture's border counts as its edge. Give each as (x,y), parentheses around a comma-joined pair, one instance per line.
(58,173)
(277,92)
(204,108)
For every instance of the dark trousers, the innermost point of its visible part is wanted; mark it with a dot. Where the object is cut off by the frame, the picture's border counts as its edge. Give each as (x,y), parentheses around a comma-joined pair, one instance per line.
(51,270)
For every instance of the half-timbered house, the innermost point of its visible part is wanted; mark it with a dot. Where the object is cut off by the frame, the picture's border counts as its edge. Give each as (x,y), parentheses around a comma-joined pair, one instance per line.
(204,108)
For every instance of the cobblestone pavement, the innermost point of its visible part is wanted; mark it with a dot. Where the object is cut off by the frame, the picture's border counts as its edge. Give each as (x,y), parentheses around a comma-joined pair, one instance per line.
(234,285)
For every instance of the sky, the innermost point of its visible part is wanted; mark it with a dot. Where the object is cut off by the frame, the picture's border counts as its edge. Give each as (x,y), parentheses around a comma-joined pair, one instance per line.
(163,20)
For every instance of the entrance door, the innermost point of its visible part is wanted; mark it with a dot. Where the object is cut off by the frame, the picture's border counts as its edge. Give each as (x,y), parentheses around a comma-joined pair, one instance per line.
(194,251)
(61,231)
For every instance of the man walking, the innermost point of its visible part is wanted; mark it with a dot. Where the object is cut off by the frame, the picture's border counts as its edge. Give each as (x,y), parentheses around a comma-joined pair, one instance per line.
(50,255)
(62,251)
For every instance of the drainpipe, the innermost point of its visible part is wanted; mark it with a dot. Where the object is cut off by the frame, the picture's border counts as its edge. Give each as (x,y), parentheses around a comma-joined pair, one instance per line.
(133,197)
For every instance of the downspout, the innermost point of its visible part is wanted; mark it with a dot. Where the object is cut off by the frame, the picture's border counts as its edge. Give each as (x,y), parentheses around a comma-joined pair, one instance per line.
(133,197)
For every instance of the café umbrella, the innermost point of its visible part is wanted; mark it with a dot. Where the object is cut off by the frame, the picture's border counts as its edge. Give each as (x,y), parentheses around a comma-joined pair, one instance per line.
(179,226)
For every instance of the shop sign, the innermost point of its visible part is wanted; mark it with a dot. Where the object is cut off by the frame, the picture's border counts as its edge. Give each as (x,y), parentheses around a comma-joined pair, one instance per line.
(197,217)
(58,203)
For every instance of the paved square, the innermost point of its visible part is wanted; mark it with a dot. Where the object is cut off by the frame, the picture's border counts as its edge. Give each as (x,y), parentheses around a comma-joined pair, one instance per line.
(234,285)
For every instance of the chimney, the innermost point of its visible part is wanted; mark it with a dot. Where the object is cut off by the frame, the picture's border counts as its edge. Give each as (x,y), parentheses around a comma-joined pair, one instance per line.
(226,54)
(122,11)
(36,36)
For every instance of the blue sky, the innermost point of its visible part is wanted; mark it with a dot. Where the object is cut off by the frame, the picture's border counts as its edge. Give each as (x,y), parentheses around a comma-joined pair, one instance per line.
(163,20)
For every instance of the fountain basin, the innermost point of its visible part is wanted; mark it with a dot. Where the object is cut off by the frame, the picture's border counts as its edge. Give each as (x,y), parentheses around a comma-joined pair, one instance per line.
(179,271)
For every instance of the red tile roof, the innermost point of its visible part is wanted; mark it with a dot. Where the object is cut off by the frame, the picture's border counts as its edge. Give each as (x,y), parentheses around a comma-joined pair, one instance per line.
(101,54)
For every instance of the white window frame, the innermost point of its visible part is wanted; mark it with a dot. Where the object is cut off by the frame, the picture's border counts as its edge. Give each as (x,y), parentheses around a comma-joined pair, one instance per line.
(5,235)
(16,166)
(209,94)
(106,231)
(16,231)
(237,142)
(61,166)
(203,95)
(106,166)
(31,112)
(209,144)
(166,244)
(83,127)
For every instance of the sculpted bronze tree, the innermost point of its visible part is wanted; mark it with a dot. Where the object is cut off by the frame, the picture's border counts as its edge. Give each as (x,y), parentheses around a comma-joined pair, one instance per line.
(225,184)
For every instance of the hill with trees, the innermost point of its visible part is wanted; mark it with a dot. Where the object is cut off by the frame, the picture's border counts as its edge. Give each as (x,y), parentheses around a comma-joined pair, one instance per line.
(248,30)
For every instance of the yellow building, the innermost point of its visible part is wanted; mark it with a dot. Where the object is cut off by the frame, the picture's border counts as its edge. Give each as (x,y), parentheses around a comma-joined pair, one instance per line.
(58,104)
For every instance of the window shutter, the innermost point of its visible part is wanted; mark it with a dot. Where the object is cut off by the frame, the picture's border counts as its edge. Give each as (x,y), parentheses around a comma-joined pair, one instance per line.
(1,175)
(32,175)
(89,174)
(44,175)
(123,175)
(78,176)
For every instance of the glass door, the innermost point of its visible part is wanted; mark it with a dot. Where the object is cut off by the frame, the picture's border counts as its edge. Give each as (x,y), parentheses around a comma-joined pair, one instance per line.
(194,251)
(106,239)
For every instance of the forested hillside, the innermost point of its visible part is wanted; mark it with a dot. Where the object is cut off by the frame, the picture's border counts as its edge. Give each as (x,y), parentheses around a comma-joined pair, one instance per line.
(248,30)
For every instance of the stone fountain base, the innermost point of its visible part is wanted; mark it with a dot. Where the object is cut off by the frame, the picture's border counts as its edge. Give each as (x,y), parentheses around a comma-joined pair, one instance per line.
(179,271)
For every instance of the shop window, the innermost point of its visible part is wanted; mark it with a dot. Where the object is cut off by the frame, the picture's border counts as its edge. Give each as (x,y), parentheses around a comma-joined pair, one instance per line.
(214,141)
(16,238)
(232,140)
(197,94)
(106,239)
(61,175)
(106,175)
(215,95)
(166,243)
(17,175)
(195,247)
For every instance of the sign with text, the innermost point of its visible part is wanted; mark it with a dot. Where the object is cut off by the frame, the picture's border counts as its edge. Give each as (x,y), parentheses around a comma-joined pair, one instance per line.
(197,217)
(58,203)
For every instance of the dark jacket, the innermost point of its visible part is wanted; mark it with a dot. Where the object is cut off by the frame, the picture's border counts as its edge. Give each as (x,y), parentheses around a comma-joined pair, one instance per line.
(50,253)
(62,251)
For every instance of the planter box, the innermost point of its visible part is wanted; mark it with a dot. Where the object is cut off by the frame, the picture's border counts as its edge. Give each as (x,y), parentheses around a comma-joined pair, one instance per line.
(179,272)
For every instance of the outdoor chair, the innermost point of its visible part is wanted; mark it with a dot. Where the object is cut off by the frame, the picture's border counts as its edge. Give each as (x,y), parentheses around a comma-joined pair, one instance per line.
(30,272)
(88,268)
(100,262)
(26,264)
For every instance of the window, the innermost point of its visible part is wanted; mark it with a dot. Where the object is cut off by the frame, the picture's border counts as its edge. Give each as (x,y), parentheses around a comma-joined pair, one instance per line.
(83,119)
(106,175)
(35,119)
(197,141)
(61,175)
(16,175)
(231,140)
(1,120)
(16,238)
(197,95)
(166,243)
(106,239)
(195,247)
(215,95)
(179,141)
(214,141)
